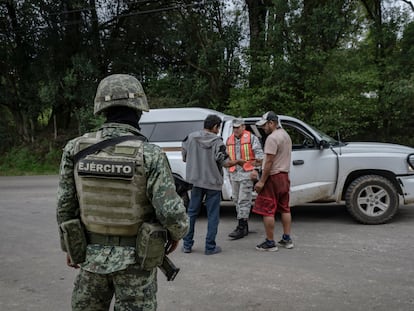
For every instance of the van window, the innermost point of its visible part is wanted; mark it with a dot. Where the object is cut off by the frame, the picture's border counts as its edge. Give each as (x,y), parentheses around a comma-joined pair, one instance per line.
(170,131)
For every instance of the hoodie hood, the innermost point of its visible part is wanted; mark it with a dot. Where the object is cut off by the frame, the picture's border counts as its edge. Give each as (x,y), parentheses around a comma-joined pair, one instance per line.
(206,140)
(204,153)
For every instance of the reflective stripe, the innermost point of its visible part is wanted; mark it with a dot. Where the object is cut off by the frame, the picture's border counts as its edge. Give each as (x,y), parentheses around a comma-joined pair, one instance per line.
(246,150)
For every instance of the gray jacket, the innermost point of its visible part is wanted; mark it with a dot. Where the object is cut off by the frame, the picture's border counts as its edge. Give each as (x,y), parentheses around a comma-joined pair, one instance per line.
(205,154)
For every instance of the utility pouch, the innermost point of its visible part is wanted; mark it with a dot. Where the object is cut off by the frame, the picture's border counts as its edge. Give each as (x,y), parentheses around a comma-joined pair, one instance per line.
(74,239)
(150,245)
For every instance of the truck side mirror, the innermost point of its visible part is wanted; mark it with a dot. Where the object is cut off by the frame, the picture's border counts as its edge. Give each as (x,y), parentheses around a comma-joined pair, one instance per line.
(323,144)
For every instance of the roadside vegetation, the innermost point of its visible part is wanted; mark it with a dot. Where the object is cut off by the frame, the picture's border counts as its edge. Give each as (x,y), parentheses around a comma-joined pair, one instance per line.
(27,160)
(344,66)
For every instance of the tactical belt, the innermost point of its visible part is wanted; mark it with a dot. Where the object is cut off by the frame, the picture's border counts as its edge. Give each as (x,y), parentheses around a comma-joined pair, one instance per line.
(111,240)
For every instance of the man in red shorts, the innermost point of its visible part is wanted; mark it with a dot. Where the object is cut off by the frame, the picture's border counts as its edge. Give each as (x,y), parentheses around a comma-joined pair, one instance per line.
(273,185)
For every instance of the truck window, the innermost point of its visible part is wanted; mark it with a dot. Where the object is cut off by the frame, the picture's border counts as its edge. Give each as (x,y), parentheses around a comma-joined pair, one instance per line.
(170,131)
(258,132)
(300,138)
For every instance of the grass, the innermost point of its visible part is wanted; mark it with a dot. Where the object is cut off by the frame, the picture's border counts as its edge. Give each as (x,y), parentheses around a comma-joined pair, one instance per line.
(27,161)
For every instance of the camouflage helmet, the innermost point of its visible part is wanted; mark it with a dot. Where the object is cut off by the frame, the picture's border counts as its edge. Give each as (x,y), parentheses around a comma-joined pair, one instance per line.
(120,90)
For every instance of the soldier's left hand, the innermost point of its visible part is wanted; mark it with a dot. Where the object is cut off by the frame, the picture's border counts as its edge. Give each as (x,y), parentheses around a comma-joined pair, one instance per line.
(173,245)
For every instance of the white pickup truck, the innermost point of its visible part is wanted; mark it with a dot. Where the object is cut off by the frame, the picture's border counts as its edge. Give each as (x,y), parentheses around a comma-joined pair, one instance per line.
(372,178)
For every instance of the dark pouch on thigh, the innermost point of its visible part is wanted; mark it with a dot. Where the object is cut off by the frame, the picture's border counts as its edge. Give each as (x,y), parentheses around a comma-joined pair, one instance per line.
(150,245)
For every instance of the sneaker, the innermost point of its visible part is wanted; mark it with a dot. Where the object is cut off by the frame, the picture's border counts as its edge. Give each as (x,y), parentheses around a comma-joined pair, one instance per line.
(267,246)
(186,250)
(216,250)
(286,243)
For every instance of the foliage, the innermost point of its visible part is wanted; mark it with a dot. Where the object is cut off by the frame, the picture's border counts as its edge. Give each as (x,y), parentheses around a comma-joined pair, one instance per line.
(24,160)
(342,65)
(7,130)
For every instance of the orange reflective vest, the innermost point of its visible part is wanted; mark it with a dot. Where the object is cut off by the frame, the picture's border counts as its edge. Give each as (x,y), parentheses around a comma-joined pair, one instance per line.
(245,150)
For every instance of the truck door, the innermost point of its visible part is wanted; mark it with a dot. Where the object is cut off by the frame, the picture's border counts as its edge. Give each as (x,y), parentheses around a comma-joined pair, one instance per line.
(313,171)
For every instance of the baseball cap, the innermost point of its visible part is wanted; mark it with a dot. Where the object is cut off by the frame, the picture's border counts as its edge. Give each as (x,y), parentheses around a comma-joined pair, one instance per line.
(268,116)
(238,122)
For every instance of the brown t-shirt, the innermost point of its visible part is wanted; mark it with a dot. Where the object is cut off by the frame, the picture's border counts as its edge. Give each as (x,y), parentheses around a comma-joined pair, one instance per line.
(280,144)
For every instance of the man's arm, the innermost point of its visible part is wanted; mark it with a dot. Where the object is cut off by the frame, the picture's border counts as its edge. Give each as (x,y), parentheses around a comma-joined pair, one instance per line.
(67,203)
(169,208)
(223,158)
(257,148)
(231,163)
(270,158)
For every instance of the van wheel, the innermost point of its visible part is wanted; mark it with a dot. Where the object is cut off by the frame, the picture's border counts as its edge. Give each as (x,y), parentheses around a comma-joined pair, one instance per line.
(372,199)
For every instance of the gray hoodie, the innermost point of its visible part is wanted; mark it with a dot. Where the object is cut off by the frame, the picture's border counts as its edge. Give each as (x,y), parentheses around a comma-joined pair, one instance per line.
(205,154)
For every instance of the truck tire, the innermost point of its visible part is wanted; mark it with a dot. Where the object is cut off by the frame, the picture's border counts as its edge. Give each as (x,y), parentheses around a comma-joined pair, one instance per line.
(372,199)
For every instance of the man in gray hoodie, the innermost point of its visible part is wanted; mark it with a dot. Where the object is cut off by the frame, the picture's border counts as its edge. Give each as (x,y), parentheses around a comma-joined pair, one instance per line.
(205,155)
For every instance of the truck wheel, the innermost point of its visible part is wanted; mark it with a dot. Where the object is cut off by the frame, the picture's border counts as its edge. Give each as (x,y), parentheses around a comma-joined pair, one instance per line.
(372,199)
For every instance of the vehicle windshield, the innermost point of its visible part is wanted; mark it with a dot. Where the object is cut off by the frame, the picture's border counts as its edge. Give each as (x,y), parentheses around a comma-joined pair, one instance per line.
(169,131)
(325,137)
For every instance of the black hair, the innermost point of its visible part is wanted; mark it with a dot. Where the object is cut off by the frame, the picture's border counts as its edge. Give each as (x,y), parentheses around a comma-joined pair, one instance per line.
(211,121)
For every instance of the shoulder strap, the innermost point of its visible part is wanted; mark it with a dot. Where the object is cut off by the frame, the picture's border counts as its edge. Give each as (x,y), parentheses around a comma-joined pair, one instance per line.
(105,143)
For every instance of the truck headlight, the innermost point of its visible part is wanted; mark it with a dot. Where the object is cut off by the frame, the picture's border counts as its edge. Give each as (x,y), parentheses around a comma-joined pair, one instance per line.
(410,160)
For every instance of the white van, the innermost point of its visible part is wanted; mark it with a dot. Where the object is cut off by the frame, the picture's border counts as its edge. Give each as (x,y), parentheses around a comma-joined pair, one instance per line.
(168,127)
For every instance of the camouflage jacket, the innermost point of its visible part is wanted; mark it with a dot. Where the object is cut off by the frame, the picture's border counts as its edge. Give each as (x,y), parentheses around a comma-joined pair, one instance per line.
(168,206)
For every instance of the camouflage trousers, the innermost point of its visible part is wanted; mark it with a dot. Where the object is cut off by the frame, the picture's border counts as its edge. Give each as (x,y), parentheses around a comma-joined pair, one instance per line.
(242,197)
(134,289)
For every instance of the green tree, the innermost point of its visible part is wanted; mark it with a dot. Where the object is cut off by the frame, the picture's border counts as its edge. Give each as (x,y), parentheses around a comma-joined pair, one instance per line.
(18,66)
(341,64)
(300,39)
(203,63)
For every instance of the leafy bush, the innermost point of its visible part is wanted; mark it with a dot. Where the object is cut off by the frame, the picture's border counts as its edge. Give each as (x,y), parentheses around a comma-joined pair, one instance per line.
(26,161)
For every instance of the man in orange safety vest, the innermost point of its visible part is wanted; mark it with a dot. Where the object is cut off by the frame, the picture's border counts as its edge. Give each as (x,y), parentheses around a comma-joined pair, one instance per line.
(242,145)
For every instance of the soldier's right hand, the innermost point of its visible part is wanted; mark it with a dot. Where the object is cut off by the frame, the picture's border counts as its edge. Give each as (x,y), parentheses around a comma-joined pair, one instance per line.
(254,175)
(171,247)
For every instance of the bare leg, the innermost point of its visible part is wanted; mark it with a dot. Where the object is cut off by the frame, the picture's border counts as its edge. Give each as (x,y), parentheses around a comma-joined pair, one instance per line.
(269,225)
(286,222)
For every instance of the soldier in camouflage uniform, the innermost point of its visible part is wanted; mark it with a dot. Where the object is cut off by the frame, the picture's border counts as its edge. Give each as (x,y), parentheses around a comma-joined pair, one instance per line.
(242,144)
(113,199)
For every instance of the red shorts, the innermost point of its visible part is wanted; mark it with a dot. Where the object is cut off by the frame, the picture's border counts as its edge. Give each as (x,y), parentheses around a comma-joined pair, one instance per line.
(274,196)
